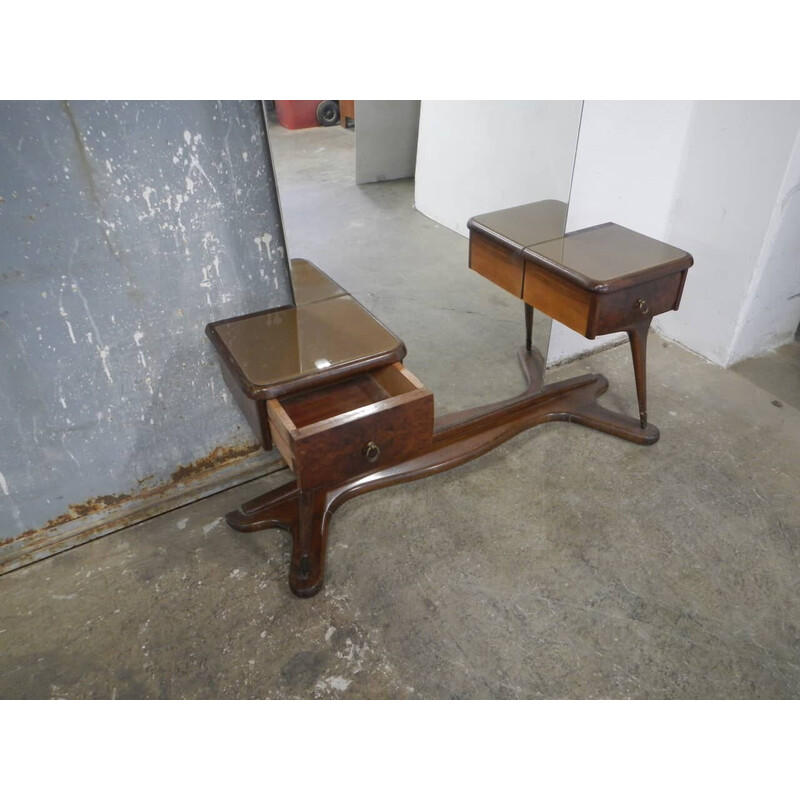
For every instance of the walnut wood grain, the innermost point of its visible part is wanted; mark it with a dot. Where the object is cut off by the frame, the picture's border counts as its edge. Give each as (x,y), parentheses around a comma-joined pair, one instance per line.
(338,431)
(551,294)
(500,265)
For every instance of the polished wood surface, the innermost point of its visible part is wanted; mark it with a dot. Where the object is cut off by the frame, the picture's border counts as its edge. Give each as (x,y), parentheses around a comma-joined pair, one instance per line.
(500,265)
(626,308)
(558,298)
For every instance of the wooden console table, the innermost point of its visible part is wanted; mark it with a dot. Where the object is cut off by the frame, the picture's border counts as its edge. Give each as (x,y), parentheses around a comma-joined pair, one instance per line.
(598,280)
(323,381)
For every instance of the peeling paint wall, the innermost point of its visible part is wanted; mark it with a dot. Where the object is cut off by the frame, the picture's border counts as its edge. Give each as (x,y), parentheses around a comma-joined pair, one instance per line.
(124,229)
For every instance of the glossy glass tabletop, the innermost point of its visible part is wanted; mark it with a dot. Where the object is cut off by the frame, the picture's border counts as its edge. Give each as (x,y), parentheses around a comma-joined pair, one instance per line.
(605,255)
(282,346)
(524,225)
(310,283)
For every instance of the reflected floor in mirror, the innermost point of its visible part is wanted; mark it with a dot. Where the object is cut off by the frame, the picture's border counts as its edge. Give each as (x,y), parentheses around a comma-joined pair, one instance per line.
(415,280)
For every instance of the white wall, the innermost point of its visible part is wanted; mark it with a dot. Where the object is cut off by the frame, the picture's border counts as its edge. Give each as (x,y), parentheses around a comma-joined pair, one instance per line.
(719,179)
(626,169)
(716,179)
(771,313)
(734,162)
(386,139)
(479,156)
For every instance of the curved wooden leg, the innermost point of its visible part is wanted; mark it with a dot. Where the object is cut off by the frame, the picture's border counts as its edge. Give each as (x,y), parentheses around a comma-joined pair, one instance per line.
(593,415)
(306,516)
(276,509)
(310,543)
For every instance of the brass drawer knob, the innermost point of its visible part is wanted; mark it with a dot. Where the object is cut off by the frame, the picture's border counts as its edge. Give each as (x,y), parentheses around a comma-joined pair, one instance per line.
(642,306)
(371,451)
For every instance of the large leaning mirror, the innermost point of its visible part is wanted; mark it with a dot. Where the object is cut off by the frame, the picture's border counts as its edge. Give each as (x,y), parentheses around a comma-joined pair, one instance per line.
(379,196)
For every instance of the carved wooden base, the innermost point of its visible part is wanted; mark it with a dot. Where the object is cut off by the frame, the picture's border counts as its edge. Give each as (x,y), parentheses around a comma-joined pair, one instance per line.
(457,438)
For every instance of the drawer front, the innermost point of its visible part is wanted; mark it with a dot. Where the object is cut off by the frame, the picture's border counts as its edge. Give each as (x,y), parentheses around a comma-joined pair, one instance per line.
(380,435)
(499,265)
(558,298)
(616,311)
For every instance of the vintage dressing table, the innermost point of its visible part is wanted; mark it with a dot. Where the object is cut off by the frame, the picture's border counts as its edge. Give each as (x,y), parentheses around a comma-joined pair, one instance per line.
(323,380)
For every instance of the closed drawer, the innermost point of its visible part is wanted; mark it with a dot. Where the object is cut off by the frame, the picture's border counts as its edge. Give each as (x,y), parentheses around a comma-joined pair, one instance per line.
(595,313)
(373,420)
(499,264)
(615,311)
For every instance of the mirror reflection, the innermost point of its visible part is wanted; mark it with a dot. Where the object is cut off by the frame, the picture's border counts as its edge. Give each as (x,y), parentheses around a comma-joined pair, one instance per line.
(379,196)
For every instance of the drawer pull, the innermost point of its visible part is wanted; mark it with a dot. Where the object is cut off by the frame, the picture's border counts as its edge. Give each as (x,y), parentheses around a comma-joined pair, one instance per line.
(642,306)
(371,451)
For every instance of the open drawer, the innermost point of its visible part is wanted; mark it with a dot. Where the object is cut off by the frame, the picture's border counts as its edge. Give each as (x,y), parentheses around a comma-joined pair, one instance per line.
(368,421)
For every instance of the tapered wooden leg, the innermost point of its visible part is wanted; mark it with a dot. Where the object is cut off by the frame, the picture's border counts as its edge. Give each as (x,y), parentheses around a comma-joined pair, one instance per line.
(638,340)
(528,326)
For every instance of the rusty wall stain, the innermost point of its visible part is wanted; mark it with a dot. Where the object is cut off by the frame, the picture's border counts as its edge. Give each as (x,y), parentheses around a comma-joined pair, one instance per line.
(217,458)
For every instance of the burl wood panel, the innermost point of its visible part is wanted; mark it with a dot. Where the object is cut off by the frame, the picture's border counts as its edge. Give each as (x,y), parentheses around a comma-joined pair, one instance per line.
(500,265)
(324,434)
(336,449)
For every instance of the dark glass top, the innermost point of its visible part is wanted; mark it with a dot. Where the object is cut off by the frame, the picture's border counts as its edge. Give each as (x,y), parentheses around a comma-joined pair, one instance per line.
(607,257)
(276,349)
(521,226)
(311,284)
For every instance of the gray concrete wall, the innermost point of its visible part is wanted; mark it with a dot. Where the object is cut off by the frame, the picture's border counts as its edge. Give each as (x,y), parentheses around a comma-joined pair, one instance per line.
(124,229)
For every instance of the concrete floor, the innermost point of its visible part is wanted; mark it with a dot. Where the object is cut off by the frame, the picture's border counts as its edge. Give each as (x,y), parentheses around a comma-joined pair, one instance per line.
(563,564)
(777,372)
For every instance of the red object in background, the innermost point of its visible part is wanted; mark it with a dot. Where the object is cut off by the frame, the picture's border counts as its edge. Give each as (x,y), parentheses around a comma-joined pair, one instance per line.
(294,114)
